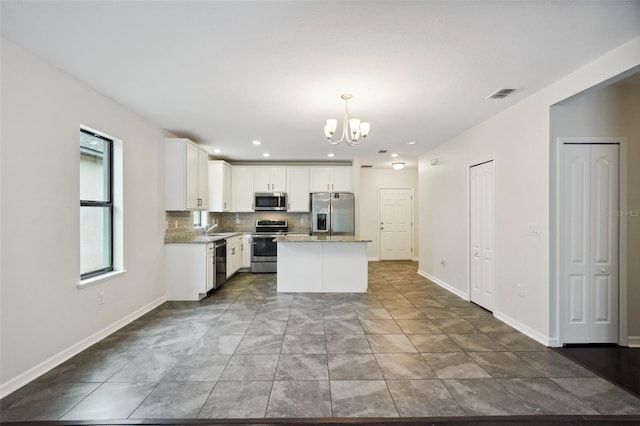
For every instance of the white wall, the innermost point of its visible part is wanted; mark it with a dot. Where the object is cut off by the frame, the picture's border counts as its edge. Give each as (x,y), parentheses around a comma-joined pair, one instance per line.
(633,223)
(371,180)
(519,141)
(45,317)
(611,111)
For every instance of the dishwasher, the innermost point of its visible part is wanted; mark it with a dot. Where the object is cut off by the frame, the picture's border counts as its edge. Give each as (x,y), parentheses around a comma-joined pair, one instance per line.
(220,263)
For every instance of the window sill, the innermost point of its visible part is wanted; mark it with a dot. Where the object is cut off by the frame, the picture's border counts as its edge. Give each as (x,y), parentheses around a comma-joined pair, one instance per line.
(100,278)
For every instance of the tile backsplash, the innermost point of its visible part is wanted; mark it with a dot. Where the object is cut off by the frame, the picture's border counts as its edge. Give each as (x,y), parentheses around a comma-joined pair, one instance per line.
(180,224)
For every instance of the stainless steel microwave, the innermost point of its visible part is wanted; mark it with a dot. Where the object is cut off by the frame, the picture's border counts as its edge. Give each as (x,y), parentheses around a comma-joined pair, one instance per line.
(271,201)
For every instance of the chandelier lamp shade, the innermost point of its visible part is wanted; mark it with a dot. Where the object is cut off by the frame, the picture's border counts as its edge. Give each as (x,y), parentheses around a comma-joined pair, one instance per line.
(354,131)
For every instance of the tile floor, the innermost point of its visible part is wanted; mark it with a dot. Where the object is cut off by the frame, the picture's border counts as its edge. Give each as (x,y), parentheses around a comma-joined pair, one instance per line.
(406,348)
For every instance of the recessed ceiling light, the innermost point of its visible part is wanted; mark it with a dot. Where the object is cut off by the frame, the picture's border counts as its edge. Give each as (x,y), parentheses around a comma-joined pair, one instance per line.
(411,143)
(266,154)
(257,142)
(394,155)
(217,151)
(331,154)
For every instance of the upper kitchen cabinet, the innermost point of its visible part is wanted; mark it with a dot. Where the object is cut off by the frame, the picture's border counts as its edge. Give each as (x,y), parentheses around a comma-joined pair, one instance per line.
(298,189)
(242,189)
(219,186)
(323,179)
(186,175)
(203,179)
(270,179)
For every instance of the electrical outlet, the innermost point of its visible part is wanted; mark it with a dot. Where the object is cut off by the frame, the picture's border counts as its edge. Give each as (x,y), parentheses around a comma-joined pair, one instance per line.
(301,219)
(100,297)
(519,290)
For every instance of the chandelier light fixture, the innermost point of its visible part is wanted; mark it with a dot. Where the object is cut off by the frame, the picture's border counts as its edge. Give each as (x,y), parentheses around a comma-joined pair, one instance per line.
(354,132)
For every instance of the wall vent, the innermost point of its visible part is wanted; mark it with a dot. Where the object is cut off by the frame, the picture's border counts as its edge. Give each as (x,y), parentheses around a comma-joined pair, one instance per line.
(501,94)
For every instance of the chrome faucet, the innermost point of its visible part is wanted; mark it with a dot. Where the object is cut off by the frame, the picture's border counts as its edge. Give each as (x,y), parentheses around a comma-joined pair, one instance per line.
(211,228)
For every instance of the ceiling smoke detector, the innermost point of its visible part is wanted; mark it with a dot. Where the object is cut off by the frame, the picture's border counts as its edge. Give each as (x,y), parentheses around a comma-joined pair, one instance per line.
(501,94)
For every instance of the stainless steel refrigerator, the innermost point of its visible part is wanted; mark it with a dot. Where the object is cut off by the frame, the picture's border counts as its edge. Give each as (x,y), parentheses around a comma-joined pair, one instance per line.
(332,213)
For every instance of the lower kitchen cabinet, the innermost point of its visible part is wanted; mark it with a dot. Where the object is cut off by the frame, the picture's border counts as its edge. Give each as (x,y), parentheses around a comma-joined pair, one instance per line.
(246,251)
(189,270)
(234,254)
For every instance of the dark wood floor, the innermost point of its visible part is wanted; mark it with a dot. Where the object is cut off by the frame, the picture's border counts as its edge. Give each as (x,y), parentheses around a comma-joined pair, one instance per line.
(617,364)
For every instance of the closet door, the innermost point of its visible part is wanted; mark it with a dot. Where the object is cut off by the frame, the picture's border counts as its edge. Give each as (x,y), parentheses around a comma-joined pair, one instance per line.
(589,242)
(482,233)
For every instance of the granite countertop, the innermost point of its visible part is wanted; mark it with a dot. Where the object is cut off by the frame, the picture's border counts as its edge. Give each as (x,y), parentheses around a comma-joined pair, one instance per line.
(321,239)
(200,239)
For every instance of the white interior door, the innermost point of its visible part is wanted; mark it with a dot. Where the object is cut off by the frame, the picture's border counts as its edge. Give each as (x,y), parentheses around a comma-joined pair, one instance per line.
(482,233)
(396,223)
(589,201)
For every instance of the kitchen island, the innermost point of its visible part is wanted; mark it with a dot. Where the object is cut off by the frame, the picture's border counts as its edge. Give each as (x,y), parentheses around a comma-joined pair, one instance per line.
(319,264)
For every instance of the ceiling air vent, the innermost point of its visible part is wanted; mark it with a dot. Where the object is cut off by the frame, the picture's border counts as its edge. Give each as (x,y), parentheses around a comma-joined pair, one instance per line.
(382,151)
(366,166)
(501,94)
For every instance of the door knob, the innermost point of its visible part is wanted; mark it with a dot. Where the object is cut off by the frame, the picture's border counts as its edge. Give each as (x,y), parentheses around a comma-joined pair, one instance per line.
(603,270)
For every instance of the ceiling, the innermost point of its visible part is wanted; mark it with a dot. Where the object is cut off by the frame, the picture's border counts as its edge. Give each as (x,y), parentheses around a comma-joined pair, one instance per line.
(225,73)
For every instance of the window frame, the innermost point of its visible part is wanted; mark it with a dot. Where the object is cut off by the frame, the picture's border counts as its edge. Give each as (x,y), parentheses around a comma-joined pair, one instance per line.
(109,204)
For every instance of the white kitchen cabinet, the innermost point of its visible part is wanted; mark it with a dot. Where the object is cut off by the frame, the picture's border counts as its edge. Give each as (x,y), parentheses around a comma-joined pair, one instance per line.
(341,179)
(242,189)
(298,189)
(186,175)
(323,179)
(203,179)
(269,179)
(246,251)
(234,254)
(211,266)
(219,186)
(189,270)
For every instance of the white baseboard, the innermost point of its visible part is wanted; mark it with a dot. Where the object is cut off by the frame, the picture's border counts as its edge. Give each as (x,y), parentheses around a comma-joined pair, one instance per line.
(554,342)
(444,285)
(526,330)
(33,373)
(633,341)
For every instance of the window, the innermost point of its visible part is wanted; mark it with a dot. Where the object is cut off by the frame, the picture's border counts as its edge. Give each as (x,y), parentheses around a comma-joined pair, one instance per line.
(96,204)
(200,218)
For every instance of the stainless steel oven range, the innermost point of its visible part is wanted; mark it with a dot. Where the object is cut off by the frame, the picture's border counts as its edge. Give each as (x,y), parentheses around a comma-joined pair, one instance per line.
(264,251)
